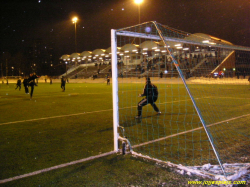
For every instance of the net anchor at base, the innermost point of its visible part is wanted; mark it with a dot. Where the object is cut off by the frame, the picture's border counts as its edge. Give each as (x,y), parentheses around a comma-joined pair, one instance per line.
(126,146)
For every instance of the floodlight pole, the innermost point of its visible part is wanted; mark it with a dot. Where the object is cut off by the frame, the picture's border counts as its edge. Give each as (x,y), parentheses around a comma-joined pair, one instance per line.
(139,9)
(75,38)
(115,88)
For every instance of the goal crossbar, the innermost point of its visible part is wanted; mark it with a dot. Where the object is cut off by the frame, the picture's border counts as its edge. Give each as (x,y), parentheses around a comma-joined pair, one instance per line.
(156,37)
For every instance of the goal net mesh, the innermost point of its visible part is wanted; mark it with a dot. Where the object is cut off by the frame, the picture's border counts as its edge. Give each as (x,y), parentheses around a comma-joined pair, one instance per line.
(202,83)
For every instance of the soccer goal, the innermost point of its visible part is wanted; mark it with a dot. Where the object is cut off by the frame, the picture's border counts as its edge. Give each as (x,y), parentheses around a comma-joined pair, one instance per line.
(203,97)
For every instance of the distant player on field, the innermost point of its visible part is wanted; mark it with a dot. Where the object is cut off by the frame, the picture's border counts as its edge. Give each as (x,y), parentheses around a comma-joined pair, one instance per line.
(63,82)
(18,84)
(26,85)
(32,83)
(108,80)
(151,93)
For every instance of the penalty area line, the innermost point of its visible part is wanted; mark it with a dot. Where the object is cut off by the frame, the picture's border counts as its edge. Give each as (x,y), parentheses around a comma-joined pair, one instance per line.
(56,167)
(185,132)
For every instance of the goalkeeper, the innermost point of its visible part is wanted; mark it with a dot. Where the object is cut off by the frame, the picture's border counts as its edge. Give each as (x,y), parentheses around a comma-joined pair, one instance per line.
(151,93)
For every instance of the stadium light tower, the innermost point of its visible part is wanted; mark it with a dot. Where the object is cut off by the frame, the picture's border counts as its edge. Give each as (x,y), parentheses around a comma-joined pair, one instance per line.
(138,2)
(74,20)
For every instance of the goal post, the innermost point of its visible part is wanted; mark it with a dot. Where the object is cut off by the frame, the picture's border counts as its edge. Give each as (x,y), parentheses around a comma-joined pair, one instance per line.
(195,74)
(115,89)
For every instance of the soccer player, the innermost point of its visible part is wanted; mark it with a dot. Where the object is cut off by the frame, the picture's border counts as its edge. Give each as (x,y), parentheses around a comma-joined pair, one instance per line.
(63,82)
(32,83)
(108,80)
(151,93)
(26,85)
(18,84)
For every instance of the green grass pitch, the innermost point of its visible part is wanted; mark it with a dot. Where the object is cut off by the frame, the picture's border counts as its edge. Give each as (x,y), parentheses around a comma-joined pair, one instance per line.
(57,127)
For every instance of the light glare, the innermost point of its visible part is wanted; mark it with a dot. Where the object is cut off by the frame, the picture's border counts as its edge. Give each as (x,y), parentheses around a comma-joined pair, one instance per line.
(74,19)
(138,1)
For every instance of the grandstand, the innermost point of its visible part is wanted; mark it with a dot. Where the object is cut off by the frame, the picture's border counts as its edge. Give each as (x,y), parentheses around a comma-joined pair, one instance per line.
(150,58)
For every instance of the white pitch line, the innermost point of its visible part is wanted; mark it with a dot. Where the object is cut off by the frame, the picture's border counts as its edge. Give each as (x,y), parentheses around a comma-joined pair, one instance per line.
(52,117)
(69,115)
(184,132)
(106,154)
(98,156)
(55,167)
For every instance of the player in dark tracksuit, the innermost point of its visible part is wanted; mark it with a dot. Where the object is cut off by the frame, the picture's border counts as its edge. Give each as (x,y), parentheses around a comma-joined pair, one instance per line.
(108,80)
(26,85)
(18,84)
(63,82)
(32,83)
(151,93)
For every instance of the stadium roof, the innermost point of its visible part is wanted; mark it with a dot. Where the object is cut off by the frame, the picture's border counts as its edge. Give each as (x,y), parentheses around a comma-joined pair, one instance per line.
(98,52)
(129,47)
(172,42)
(75,55)
(86,54)
(205,38)
(149,44)
(65,57)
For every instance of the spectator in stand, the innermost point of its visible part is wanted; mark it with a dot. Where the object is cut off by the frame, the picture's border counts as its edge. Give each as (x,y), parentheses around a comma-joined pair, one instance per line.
(238,74)
(188,74)
(161,74)
(221,74)
(244,74)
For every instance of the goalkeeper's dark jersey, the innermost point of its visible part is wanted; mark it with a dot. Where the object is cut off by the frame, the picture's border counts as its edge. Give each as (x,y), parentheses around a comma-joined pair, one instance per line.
(150,91)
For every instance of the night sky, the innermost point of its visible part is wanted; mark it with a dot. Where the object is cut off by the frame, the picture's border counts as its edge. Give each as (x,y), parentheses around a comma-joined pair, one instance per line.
(50,20)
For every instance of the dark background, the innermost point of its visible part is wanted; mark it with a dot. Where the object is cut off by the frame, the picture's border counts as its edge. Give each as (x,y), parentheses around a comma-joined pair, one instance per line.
(34,32)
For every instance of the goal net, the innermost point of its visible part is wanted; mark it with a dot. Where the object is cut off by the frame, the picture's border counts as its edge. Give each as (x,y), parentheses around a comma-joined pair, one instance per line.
(203,97)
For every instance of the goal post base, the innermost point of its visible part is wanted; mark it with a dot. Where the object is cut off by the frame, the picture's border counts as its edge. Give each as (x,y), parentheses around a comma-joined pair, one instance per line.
(235,171)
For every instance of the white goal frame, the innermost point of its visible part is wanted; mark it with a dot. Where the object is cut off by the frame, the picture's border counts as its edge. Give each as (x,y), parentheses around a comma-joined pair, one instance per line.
(114,34)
